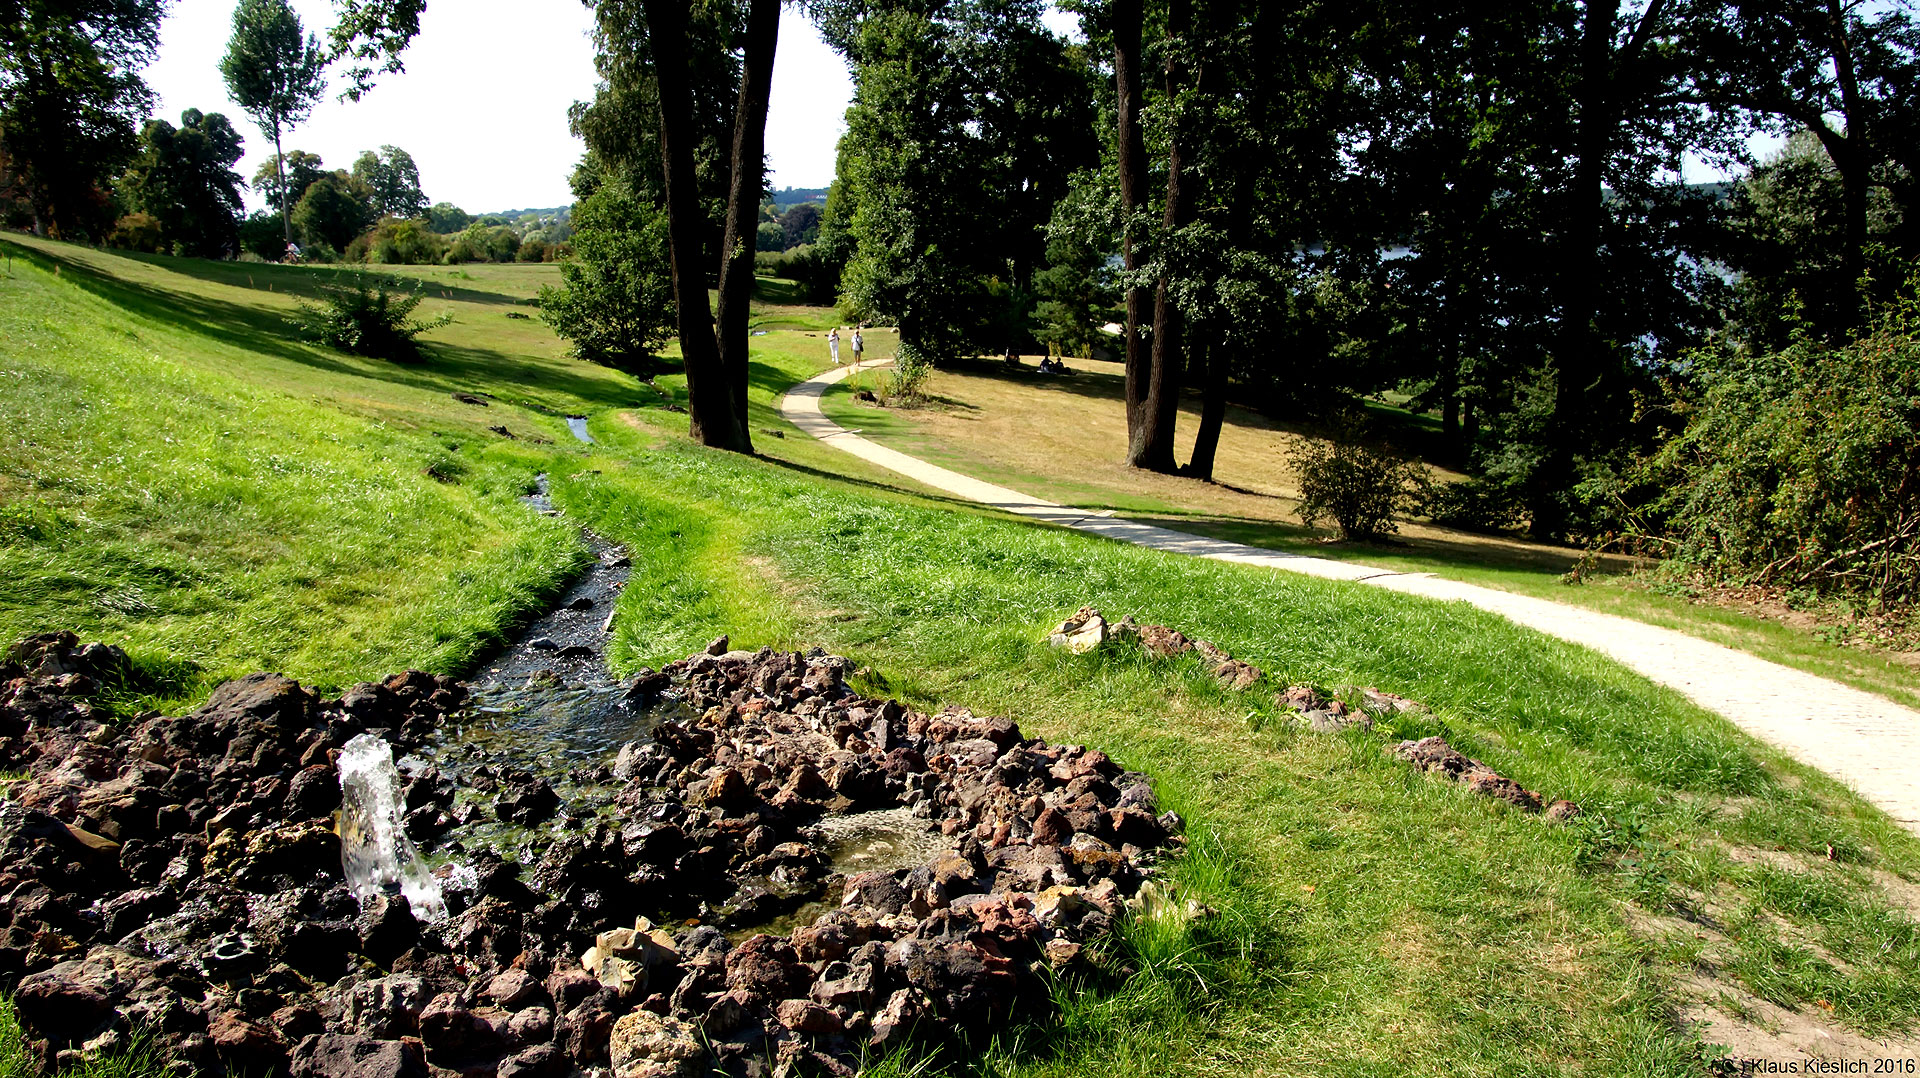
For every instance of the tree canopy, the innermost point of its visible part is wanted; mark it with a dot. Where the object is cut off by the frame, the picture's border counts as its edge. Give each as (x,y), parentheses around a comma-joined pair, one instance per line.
(71,101)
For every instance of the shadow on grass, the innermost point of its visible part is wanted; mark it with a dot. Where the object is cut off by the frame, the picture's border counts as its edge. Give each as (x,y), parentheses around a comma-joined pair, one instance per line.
(1294,538)
(444,368)
(1417,435)
(308,281)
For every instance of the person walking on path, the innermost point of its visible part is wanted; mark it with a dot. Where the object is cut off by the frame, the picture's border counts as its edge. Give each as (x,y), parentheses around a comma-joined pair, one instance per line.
(859,344)
(833,344)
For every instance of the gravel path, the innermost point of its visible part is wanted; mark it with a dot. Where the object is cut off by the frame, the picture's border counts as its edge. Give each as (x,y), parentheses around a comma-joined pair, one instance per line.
(1866,741)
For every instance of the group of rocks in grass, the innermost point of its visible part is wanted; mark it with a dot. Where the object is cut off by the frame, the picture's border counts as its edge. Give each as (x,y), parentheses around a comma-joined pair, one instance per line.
(182,876)
(1087,629)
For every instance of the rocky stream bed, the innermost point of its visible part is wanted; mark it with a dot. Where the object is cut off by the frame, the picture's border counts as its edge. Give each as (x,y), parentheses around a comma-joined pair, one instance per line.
(734,864)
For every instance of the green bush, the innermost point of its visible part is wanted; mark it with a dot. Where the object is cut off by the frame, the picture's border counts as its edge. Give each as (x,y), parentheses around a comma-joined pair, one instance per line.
(368,317)
(397,241)
(137,232)
(907,382)
(1359,485)
(1476,505)
(1801,469)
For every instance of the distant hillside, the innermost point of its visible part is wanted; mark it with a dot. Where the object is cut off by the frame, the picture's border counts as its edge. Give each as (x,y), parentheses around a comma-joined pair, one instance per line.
(793,196)
(557,213)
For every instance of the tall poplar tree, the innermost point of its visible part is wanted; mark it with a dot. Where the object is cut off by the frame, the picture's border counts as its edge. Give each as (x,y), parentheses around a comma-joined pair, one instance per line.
(276,72)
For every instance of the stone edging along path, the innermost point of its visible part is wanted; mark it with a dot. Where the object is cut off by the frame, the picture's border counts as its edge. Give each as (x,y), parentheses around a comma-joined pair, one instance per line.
(1865,740)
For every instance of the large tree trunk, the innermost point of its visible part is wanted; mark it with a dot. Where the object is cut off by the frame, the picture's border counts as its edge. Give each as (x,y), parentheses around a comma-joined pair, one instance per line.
(1847,153)
(1213,408)
(743,201)
(1127,18)
(711,417)
(1576,359)
(1159,412)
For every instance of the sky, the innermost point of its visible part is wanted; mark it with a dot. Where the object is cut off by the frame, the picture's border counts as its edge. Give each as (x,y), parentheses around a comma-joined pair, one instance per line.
(482,105)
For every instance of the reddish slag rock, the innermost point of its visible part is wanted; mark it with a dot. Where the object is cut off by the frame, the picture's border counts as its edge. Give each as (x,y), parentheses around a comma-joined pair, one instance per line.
(180,873)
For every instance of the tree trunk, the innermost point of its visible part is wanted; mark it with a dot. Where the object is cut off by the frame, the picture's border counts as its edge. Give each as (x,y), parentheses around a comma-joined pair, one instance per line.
(1450,400)
(1127,18)
(1159,412)
(280,170)
(1213,408)
(743,201)
(1576,361)
(1851,159)
(711,417)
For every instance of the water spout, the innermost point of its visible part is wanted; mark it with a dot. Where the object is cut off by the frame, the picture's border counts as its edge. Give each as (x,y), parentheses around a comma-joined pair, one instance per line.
(374,849)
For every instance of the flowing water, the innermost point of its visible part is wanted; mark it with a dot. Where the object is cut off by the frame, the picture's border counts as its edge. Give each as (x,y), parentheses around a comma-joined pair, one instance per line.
(374,849)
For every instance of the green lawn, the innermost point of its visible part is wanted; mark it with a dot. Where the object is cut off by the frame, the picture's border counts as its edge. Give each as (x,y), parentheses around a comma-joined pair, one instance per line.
(267,500)
(1018,455)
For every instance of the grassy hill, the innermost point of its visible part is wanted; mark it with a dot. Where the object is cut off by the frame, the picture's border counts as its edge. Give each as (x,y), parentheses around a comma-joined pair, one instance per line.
(181,475)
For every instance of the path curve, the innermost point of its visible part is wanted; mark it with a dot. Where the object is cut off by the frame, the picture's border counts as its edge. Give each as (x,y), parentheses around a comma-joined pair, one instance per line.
(1866,741)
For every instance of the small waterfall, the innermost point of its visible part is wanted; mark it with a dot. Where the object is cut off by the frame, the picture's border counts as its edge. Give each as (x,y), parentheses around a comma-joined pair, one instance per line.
(374,849)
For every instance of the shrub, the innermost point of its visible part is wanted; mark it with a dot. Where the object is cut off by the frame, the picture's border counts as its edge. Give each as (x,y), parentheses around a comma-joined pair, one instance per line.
(1476,505)
(1360,486)
(1801,468)
(367,317)
(907,382)
(137,232)
(397,241)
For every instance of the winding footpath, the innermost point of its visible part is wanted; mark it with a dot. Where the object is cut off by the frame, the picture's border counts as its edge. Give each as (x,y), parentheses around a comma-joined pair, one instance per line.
(1865,740)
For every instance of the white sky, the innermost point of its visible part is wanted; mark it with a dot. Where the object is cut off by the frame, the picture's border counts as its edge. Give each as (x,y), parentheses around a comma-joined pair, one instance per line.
(482,106)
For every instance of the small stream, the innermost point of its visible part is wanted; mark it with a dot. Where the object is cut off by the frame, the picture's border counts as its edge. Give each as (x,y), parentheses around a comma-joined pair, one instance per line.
(547,706)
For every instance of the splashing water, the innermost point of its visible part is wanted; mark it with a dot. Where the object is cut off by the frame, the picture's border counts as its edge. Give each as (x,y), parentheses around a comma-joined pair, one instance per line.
(374,849)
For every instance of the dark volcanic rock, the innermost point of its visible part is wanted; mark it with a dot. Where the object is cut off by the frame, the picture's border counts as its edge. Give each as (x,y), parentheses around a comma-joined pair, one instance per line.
(183,875)
(335,1056)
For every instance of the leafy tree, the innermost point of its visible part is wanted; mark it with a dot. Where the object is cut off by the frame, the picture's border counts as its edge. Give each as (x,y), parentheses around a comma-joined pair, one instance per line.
(800,224)
(967,120)
(70,98)
(666,67)
(284,180)
(447,218)
(332,212)
(1845,72)
(392,181)
(617,303)
(1788,241)
(263,235)
(184,179)
(372,34)
(480,243)
(770,237)
(276,73)
(397,241)
(1074,290)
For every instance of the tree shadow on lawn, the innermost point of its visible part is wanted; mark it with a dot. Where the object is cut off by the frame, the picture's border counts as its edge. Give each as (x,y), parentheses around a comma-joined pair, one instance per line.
(1416,435)
(307,281)
(446,367)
